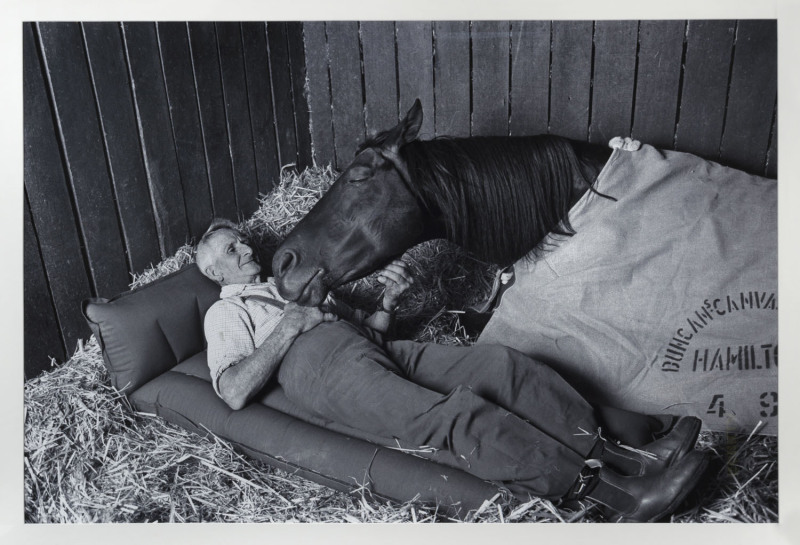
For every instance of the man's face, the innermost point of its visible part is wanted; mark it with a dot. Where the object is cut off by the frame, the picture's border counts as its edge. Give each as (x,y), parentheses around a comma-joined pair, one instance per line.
(233,263)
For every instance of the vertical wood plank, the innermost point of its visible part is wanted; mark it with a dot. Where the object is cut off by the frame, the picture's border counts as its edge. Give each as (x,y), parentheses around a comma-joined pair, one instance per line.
(657,82)
(571,79)
(302,121)
(68,74)
(380,75)
(613,79)
(259,94)
(42,335)
(155,134)
(51,208)
(318,92)
(173,39)
(705,86)
(348,105)
(237,116)
(118,121)
(282,92)
(452,108)
(753,90)
(415,70)
(772,155)
(490,87)
(205,58)
(530,77)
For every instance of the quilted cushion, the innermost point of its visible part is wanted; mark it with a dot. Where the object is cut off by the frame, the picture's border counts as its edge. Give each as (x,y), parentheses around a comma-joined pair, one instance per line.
(147,331)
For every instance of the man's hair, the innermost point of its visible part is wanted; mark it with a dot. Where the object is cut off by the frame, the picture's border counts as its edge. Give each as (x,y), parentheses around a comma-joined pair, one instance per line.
(203,257)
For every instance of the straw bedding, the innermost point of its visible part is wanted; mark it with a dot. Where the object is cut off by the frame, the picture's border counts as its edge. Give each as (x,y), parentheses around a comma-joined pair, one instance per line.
(89,458)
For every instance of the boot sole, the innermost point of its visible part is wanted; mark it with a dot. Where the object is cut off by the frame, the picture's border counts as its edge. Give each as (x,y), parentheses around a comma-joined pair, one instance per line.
(691,482)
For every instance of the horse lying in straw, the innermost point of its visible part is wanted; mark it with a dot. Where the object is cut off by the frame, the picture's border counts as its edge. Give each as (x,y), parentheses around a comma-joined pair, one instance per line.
(665,298)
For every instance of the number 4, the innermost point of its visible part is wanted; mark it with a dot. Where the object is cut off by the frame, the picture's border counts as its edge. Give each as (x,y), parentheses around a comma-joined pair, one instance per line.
(717,405)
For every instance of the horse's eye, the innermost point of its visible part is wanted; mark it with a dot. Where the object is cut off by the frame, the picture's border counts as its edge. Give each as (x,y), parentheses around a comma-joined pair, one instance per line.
(359,174)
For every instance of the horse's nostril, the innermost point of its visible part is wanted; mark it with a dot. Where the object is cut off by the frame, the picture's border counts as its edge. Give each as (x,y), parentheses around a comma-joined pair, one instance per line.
(285,262)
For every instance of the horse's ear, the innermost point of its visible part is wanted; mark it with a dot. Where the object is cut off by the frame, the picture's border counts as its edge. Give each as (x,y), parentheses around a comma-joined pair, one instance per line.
(407,130)
(412,122)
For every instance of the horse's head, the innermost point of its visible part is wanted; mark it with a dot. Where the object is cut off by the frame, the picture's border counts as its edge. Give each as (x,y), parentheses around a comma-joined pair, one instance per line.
(368,217)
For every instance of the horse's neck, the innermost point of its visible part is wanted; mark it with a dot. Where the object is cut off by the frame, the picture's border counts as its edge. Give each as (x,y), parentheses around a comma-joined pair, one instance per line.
(592,158)
(445,221)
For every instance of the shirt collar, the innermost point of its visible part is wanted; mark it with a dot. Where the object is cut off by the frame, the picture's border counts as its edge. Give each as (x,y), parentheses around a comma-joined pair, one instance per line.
(235,290)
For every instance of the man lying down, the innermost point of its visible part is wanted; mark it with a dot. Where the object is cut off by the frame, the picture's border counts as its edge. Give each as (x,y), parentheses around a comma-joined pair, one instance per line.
(488,410)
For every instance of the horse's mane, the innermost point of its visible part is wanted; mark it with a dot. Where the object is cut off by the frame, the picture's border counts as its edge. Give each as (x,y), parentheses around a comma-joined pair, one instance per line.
(497,196)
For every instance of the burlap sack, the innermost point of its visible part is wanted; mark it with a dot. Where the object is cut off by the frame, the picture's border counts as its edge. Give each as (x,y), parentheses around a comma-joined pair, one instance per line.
(664,301)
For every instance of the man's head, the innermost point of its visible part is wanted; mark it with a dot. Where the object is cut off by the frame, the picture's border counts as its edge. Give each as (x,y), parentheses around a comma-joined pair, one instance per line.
(224,256)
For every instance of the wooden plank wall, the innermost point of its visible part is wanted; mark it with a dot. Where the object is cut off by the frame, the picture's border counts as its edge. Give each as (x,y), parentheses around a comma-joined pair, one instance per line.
(707,87)
(136,134)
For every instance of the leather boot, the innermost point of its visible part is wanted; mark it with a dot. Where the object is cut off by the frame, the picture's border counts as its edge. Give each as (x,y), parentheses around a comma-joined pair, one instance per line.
(646,498)
(654,456)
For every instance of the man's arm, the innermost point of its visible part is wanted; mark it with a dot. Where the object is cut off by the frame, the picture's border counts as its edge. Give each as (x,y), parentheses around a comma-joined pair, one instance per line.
(241,381)
(397,280)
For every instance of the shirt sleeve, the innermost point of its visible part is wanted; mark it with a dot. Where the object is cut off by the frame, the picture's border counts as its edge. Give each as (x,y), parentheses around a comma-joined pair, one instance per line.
(230,338)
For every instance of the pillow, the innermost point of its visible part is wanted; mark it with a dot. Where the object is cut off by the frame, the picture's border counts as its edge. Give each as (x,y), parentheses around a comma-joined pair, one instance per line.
(147,331)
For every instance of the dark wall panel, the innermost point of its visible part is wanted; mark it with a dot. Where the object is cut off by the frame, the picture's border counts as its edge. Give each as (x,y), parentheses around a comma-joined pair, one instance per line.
(530,77)
(297,65)
(657,82)
(705,87)
(118,121)
(42,335)
(772,154)
(48,193)
(259,95)
(452,76)
(415,70)
(380,75)
(613,79)
(490,49)
(155,134)
(68,75)
(319,92)
(205,59)
(237,115)
(282,92)
(346,98)
(173,40)
(754,84)
(570,85)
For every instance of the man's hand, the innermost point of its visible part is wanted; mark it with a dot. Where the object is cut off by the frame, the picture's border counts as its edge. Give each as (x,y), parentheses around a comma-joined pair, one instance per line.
(240,382)
(397,280)
(301,319)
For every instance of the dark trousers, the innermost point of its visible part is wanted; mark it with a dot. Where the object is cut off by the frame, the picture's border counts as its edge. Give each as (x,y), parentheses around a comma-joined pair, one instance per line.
(489,410)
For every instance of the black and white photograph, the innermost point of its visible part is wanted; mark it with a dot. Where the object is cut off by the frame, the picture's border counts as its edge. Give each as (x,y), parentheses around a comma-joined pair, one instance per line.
(400,270)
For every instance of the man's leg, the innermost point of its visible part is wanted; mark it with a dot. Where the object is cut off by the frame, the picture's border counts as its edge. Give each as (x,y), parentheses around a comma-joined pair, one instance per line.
(508,378)
(536,393)
(337,373)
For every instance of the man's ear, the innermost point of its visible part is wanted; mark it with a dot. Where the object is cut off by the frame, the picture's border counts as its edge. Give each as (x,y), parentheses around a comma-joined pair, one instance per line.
(212,273)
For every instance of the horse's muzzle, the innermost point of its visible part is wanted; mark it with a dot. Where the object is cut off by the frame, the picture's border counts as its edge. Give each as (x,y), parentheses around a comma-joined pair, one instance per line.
(296,283)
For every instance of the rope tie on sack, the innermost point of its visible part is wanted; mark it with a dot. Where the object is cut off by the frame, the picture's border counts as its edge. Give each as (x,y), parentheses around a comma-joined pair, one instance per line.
(625,144)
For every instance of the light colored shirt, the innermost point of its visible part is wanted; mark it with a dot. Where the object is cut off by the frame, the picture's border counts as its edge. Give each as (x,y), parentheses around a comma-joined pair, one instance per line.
(244,317)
